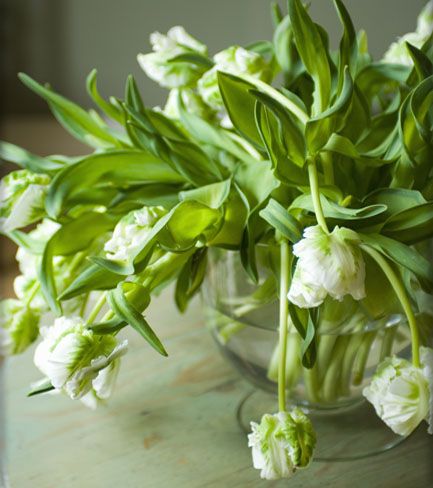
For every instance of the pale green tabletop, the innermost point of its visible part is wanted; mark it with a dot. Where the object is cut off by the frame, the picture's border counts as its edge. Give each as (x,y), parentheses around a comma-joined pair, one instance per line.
(170,423)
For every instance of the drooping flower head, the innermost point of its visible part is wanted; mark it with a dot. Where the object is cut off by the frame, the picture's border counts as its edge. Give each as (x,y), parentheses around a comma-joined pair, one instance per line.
(402,393)
(159,65)
(282,443)
(22,197)
(236,61)
(18,326)
(72,357)
(328,264)
(131,231)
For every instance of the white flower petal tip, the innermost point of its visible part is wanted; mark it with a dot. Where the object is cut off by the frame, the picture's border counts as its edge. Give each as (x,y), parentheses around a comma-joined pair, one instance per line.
(281,444)
(401,393)
(328,264)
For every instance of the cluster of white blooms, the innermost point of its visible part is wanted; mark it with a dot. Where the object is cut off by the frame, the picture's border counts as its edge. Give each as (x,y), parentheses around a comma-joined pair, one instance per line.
(282,443)
(22,198)
(76,361)
(185,76)
(328,264)
(402,394)
(397,51)
(159,65)
(18,326)
(236,61)
(131,231)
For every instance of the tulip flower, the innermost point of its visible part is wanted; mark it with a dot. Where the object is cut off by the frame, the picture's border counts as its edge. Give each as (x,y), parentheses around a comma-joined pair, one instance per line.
(401,392)
(282,443)
(328,264)
(72,356)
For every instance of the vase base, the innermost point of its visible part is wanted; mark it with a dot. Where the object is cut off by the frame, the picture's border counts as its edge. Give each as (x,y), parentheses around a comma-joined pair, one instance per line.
(343,434)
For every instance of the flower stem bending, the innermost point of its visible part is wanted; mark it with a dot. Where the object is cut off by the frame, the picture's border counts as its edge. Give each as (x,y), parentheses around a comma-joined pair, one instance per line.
(402,296)
(96,309)
(315,195)
(283,326)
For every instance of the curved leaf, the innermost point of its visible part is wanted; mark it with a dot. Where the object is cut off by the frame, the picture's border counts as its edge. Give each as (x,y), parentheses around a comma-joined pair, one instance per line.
(112,169)
(125,311)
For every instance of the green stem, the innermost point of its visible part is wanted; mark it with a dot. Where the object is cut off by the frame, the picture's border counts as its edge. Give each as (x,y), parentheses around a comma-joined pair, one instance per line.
(402,297)
(325,346)
(228,330)
(35,288)
(350,354)
(315,195)
(84,305)
(331,381)
(293,364)
(362,357)
(387,342)
(328,169)
(76,262)
(96,309)
(311,382)
(283,325)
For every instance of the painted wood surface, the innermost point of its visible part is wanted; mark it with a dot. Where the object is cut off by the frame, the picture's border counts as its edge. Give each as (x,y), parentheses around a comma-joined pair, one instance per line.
(170,423)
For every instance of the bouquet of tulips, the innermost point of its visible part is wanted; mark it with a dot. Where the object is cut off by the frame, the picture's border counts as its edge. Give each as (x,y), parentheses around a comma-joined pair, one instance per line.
(323,158)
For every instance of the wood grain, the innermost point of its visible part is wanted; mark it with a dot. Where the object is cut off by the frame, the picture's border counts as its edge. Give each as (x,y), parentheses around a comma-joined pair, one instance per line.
(171,423)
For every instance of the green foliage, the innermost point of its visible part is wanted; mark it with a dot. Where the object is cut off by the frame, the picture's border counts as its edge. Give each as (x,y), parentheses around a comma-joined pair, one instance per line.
(365,125)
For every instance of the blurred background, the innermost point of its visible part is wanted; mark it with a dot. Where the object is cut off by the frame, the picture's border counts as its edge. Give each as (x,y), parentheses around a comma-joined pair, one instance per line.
(60,41)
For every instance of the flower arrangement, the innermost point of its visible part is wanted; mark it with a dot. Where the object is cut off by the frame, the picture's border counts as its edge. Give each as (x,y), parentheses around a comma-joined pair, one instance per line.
(331,174)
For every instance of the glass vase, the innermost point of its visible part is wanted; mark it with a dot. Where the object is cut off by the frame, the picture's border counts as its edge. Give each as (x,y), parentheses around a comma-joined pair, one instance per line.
(351,339)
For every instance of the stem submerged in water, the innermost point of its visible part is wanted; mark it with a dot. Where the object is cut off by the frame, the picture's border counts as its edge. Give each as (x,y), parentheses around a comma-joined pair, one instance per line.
(400,291)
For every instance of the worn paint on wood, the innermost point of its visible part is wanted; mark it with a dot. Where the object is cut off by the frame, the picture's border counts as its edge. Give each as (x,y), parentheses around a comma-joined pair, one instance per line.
(171,423)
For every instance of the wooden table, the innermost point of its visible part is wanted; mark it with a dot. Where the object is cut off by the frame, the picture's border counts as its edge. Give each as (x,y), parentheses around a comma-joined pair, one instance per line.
(170,423)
